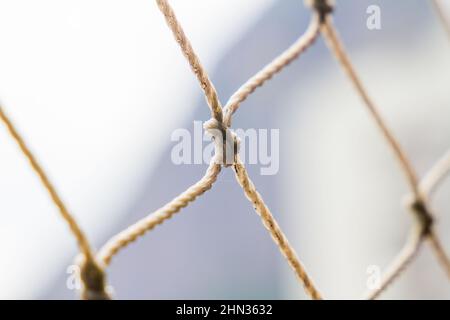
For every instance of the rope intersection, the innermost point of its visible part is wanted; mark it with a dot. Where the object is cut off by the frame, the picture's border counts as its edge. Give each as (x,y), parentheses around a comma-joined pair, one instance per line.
(93,265)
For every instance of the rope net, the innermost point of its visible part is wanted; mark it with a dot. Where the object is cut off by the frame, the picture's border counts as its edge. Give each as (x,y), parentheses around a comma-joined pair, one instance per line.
(93,265)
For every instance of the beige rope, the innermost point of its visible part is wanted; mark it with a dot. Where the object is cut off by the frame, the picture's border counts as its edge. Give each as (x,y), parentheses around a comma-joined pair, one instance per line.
(408,253)
(121,240)
(436,175)
(322,8)
(420,208)
(138,229)
(80,237)
(336,47)
(194,62)
(92,272)
(439,252)
(421,230)
(283,60)
(93,279)
(275,231)
(428,186)
(92,286)
(401,262)
(242,94)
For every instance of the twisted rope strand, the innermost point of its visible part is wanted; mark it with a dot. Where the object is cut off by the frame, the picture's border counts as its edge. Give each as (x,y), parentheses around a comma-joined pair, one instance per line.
(82,241)
(189,53)
(400,263)
(274,67)
(337,48)
(214,103)
(92,276)
(130,234)
(141,227)
(275,231)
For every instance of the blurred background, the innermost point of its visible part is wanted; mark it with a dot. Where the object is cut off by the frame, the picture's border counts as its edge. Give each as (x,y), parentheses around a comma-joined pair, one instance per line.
(98,87)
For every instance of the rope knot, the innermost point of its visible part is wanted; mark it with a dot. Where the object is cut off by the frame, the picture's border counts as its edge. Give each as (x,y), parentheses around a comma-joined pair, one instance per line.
(93,280)
(226,142)
(322,7)
(421,212)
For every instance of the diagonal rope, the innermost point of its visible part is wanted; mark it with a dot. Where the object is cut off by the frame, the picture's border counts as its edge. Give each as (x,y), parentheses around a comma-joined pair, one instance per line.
(410,250)
(439,252)
(432,180)
(280,62)
(436,175)
(191,56)
(419,206)
(91,273)
(429,184)
(337,48)
(212,99)
(129,235)
(124,238)
(400,263)
(82,241)
(274,229)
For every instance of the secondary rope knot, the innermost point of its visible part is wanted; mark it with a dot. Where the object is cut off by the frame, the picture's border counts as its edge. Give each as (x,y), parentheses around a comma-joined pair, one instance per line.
(226,142)
(93,280)
(421,212)
(322,7)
